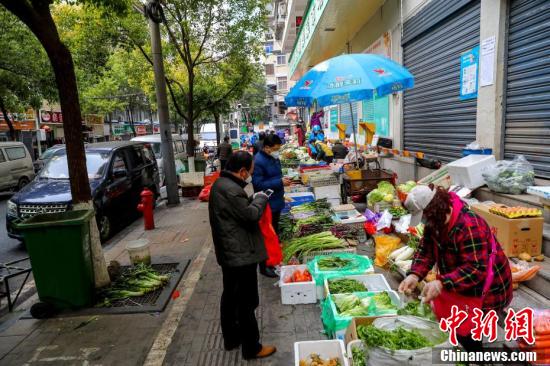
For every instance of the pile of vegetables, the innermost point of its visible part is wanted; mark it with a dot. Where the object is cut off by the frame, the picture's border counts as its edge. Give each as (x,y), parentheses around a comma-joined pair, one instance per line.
(384,192)
(417,308)
(298,276)
(312,223)
(397,212)
(345,286)
(332,262)
(344,231)
(510,176)
(352,305)
(293,154)
(286,228)
(358,356)
(315,360)
(383,301)
(300,247)
(397,339)
(402,257)
(541,325)
(407,187)
(134,282)
(318,206)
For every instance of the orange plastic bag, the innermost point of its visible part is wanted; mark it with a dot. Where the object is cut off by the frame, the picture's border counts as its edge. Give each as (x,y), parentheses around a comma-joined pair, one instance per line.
(271,240)
(204,196)
(384,245)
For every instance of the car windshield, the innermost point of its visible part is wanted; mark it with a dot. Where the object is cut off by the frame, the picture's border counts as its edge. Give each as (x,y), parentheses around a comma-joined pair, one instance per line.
(57,168)
(48,153)
(208,136)
(156,150)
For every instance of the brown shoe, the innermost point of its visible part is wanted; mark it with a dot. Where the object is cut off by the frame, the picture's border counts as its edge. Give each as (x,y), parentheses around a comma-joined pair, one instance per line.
(266,351)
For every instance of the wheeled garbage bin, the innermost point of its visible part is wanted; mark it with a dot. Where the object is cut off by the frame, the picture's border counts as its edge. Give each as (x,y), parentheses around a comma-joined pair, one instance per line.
(59,249)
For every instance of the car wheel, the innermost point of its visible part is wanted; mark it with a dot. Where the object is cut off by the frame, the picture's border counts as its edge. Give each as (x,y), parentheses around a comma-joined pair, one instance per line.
(23,181)
(104,226)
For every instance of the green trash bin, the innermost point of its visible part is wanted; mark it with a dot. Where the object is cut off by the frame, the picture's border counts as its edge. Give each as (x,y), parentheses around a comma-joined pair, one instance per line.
(59,249)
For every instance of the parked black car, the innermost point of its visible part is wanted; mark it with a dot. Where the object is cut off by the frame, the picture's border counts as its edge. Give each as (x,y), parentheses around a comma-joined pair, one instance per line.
(118,172)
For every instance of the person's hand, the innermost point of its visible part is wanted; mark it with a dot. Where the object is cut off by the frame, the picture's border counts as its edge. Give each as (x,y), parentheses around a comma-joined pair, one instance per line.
(260,194)
(408,285)
(431,291)
(286,182)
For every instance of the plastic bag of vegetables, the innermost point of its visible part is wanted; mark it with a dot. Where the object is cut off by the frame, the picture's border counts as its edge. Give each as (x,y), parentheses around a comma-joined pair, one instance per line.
(510,176)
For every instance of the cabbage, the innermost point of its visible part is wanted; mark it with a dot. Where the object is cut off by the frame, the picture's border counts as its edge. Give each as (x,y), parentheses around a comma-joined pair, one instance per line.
(388,197)
(386,187)
(375,196)
(345,302)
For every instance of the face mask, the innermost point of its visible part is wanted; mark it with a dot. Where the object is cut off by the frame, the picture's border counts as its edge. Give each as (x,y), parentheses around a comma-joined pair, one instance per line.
(275,154)
(248,179)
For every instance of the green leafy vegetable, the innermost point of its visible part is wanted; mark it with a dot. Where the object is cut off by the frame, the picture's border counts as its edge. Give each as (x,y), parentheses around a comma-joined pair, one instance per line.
(383,301)
(300,247)
(397,339)
(332,262)
(345,285)
(352,305)
(358,356)
(419,309)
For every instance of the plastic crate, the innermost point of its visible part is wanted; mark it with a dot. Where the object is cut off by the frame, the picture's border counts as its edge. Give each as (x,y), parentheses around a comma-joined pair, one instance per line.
(322,180)
(192,179)
(296,292)
(373,282)
(306,258)
(467,172)
(329,191)
(211,178)
(326,349)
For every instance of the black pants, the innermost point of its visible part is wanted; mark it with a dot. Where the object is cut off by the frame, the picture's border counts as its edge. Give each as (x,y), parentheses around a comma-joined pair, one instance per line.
(239,300)
(275,216)
(222,164)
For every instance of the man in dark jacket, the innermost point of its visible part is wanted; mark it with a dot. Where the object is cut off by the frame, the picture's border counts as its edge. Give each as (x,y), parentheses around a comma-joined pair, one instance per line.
(339,150)
(239,247)
(259,145)
(224,152)
(268,175)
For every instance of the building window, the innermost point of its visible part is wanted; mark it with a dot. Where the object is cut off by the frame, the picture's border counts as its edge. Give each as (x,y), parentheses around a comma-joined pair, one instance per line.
(281,60)
(281,83)
(269,47)
(269,69)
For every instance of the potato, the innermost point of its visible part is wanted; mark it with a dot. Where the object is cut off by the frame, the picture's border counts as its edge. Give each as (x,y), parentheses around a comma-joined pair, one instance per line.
(525,257)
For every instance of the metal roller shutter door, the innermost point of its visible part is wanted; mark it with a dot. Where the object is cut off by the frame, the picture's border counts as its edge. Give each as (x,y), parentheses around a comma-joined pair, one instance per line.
(345,116)
(527,118)
(436,121)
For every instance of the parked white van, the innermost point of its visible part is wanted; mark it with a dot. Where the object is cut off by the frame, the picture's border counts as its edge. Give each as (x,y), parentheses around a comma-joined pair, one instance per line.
(16,169)
(177,145)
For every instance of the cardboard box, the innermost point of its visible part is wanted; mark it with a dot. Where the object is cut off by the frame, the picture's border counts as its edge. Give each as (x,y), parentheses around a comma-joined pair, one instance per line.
(514,235)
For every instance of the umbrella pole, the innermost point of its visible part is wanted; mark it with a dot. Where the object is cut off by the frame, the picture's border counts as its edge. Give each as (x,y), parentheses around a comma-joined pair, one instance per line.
(354,136)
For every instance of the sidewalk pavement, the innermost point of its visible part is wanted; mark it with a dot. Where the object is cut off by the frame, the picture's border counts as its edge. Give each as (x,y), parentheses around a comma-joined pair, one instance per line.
(187,332)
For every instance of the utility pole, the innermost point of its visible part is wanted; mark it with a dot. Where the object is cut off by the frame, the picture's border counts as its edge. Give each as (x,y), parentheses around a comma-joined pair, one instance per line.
(153,12)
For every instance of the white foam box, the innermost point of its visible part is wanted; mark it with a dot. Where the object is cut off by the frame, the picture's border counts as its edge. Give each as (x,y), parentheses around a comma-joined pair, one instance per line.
(296,292)
(321,287)
(373,282)
(468,171)
(332,191)
(326,349)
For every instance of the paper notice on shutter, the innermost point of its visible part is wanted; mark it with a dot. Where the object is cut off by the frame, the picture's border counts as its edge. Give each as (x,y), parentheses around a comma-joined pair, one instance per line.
(487,61)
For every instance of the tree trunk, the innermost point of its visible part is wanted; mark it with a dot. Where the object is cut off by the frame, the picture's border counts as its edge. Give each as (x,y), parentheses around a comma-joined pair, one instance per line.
(218,127)
(36,15)
(7,119)
(190,126)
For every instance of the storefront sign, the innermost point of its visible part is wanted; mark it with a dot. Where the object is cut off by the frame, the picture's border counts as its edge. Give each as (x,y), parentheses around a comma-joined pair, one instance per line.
(51,117)
(141,130)
(469,73)
(18,125)
(93,119)
(307,29)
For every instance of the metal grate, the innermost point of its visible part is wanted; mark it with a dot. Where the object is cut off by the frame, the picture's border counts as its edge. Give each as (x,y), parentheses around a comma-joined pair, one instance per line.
(149,299)
(27,211)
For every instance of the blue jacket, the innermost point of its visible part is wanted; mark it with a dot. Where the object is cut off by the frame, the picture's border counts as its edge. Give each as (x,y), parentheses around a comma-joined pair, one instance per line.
(268,175)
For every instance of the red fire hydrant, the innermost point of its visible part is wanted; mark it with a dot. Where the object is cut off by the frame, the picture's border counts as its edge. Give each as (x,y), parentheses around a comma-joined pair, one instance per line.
(146,207)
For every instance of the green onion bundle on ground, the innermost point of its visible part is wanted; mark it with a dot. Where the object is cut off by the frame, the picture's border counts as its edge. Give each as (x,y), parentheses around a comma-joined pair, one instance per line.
(300,247)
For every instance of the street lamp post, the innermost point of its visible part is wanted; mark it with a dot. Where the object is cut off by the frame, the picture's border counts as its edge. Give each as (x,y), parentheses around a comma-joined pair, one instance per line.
(153,12)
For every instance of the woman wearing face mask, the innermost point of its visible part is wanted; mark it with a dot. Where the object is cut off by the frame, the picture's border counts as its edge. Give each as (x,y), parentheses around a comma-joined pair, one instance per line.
(472,266)
(268,175)
(239,247)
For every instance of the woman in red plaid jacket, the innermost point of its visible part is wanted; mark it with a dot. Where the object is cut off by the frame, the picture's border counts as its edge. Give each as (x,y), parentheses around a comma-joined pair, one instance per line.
(461,242)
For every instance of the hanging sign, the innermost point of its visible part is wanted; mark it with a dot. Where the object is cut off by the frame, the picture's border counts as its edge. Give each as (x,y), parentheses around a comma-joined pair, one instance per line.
(469,73)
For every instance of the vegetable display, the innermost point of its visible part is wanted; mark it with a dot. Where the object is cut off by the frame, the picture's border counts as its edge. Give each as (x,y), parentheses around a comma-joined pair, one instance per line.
(136,281)
(298,276)
(407,187)
(302,246)
(286,228)
(345,285)
(510,176)
(397,339)
(397,212)
(318,206)
(316,360)
(383,301)
(419,309)
(330,263)
(343,231)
